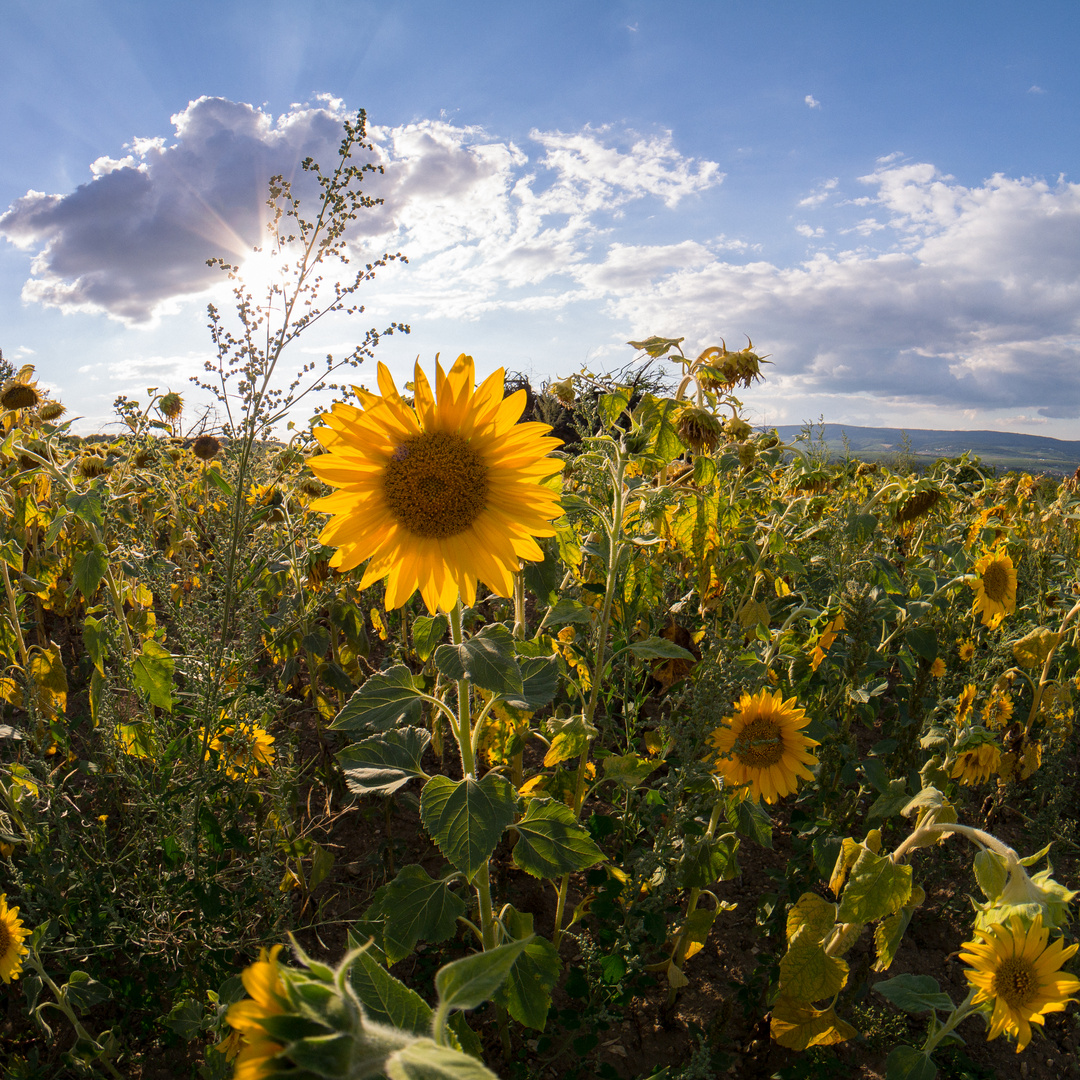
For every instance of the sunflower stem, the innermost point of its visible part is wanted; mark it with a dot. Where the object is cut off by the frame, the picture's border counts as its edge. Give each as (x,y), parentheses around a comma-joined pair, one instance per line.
(961,1012)
(463,731)
(615,547)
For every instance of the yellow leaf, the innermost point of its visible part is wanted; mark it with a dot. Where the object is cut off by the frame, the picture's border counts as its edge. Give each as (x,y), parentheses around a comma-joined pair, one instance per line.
(799,1026)
(849,852)
(808,973)
(811,918)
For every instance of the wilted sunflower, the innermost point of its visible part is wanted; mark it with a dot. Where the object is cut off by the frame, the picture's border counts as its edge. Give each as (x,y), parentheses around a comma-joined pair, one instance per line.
(977,764)
(1020,974)
(995,588)
(266,999)
(763,746)
(12,935)
(438,493)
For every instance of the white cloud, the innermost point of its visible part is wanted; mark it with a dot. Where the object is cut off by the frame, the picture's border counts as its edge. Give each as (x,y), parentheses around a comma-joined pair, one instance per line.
(812,101)
(821,193)
(975,304)
(477,215)
(808,232)
(1036,90)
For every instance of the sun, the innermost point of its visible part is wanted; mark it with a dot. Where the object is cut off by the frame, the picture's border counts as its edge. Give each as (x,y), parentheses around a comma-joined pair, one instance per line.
(762,746)
(440,492)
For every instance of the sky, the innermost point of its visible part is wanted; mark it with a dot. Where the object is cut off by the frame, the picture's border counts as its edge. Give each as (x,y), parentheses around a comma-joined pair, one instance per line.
(884,197)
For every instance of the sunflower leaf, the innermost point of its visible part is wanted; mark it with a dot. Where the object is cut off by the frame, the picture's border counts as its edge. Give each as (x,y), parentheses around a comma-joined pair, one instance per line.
(877,887)
(539,683)
(915,994)
(551,843)
(382,764)
(470,981)
(658,648)
(385,701)
(415,907)
(486,660)
(427,1060)
(386,999)
(467,817)
(907,1063)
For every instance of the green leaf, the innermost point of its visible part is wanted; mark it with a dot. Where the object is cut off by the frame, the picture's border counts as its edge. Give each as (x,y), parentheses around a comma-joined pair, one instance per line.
(526,994)
(84,992)
(186,1018)
(708,860)
(890,802)
(907,1063)
(385,701)
(808,973)
(629,770)
(613,405)
(915,994)
(658,648)
(655,346)
(542,578)
(875,889)
(386,999)
(428,631)
(88,570)
(382,764)
(752,820)
(152,673)
(811,918)
(539,683)
(95,640)
(922,642)
(567,611)
(551,842)
(467,817)
(470,981)
(219,482)
(486,659)
(991,872)
(87,506)
(425,1059)
(415,907)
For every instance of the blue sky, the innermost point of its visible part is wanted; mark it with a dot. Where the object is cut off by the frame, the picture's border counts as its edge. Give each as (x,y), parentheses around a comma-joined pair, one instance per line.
(885,196)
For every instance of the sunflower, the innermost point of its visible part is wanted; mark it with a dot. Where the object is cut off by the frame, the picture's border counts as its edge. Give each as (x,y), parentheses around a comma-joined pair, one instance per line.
(438,493)
(937,668)
(995,588)
(1020,974)
(762,746)
(977,764)
(965,702)
(966,650)
(997,712)
(243,748)
(266,999)
(12,935)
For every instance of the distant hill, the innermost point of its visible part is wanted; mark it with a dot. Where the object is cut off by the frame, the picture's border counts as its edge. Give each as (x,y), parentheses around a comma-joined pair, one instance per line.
(1005,450)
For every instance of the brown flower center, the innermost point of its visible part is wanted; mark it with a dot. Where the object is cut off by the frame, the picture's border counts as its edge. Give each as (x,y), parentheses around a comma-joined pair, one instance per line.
(436,485)
(759,744)
(1017,982)
(6,939)
(995,582)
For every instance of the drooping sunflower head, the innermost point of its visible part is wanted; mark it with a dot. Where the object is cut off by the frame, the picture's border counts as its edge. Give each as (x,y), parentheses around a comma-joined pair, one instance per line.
(977,764)
(12,935)
(965,703)
(762,746)
(1014,969)
(440,492)
(995,587)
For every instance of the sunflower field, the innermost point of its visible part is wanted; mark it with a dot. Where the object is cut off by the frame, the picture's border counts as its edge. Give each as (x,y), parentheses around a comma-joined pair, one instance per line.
(480,730)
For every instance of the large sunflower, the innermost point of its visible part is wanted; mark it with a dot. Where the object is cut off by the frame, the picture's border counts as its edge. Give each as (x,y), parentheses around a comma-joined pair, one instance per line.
(995,588)
(762,746)
(267,998)
(1020,974)
(12,935)
(438,493)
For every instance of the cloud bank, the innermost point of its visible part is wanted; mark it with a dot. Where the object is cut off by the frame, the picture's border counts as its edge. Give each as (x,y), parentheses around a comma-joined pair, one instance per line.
(914,288)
